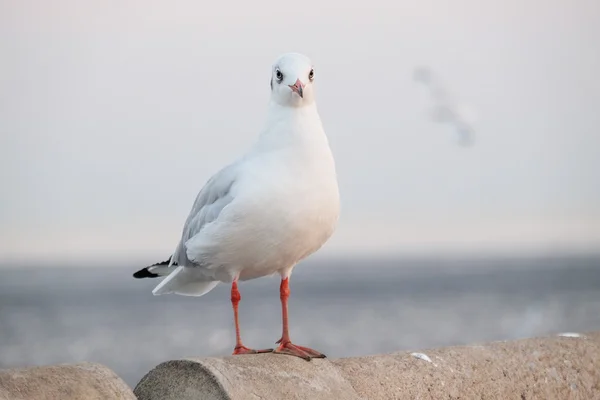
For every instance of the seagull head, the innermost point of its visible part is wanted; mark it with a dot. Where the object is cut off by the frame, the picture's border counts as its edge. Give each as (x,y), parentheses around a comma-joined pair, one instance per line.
(292,80)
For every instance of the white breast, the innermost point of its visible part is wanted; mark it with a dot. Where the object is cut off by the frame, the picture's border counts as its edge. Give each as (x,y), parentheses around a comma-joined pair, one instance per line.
(285,207)
(295,217)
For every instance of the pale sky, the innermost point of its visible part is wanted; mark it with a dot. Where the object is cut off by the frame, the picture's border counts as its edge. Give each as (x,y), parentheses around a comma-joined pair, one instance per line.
(113,114)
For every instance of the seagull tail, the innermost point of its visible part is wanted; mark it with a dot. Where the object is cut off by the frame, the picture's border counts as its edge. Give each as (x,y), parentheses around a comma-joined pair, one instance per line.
(186,282)
(163,268)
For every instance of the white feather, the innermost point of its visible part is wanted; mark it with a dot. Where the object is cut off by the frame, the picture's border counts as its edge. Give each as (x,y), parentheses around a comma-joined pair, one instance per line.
(184,282)
(162,270)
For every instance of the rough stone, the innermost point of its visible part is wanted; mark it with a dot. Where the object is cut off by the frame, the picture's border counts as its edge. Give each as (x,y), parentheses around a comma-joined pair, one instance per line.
(539,368)
(85,381)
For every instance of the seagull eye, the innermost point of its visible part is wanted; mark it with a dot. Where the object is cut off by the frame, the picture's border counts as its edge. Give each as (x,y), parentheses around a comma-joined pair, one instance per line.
(279,75)
(311,74)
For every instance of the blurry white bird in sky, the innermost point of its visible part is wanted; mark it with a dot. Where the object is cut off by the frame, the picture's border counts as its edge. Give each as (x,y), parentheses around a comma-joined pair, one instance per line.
(445,110)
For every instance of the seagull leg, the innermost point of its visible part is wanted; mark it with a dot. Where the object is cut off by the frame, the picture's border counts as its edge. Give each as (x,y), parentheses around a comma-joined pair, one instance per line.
(285,344)
(239,347)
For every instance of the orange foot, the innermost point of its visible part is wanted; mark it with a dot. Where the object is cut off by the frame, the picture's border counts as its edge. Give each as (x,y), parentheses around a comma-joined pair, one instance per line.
(299,351)
(241,349)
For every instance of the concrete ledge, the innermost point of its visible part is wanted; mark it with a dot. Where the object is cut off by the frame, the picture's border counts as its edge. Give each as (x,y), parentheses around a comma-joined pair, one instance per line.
(86,381)
(560,367)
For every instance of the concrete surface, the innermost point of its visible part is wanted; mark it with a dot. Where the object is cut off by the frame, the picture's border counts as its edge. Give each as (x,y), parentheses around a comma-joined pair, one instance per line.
(85,381)
(558,367)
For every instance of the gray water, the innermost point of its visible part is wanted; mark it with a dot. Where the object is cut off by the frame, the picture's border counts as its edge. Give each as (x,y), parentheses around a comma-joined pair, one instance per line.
(342,308)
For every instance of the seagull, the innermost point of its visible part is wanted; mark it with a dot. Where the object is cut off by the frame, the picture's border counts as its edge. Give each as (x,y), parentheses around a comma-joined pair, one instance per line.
(445,109)
(265,212)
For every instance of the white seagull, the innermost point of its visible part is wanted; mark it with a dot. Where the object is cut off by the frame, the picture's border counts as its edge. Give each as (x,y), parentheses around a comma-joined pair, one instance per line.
(445,109)
(265,212)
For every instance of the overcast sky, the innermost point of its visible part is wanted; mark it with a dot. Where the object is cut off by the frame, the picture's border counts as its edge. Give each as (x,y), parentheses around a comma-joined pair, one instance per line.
(113,114)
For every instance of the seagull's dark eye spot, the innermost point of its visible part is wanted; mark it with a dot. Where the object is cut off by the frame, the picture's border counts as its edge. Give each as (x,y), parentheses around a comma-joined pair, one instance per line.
(311,74)
(279,76)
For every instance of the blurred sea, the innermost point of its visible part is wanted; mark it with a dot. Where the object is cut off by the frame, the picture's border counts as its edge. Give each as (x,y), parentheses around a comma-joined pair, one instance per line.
(343,308)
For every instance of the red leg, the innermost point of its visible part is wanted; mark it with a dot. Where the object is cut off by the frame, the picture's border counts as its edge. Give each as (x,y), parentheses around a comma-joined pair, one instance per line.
(285,344)
(239,347)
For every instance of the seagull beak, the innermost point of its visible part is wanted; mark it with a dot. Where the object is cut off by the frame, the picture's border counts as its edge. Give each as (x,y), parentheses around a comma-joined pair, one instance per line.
(298,87)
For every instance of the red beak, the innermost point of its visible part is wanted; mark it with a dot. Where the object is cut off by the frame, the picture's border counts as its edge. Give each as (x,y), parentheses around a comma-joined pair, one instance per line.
(298,87)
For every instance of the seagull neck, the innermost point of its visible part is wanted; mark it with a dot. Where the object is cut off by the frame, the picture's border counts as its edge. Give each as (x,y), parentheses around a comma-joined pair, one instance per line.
(285,114)
(292,126)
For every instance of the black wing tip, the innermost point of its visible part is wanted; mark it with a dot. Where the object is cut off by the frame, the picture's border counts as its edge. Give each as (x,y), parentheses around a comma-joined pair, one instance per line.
(162,263)
(144,273)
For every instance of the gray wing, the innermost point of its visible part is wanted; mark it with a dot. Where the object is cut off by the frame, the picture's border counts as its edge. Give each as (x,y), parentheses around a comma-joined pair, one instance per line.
(209,203)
